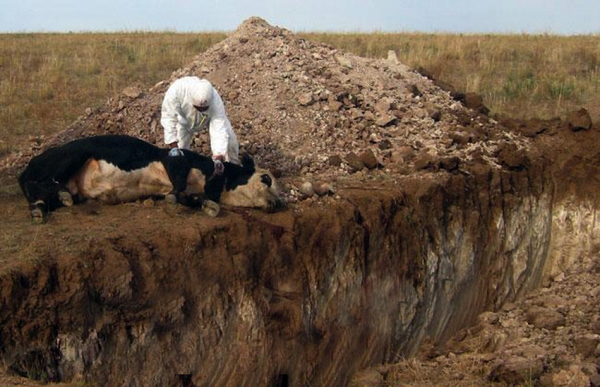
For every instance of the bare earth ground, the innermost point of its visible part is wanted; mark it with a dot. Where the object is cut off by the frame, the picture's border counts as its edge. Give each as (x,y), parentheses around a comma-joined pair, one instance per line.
(322,119)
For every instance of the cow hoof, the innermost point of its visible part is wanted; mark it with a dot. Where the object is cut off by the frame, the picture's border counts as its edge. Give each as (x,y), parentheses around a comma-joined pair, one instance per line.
(211,208)
(37,216)
(171,199)
(65,198)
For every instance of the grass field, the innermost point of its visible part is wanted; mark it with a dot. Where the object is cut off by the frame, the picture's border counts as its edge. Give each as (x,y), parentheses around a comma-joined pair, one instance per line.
(48,80)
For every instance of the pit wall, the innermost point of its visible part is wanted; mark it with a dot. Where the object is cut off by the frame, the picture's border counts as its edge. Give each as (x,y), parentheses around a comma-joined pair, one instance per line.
(575,237)
(304,300)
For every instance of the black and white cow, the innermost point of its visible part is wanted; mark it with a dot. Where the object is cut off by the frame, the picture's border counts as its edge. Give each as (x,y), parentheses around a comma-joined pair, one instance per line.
(116,169)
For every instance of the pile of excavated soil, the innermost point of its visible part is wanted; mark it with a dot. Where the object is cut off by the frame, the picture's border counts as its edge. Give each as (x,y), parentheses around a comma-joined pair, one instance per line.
(312,113)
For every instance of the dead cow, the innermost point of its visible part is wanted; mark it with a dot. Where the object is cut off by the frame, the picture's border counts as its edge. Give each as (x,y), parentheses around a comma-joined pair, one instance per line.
(116,169)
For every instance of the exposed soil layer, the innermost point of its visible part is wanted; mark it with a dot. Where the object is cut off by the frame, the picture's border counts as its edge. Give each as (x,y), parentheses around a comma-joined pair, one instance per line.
(391,155)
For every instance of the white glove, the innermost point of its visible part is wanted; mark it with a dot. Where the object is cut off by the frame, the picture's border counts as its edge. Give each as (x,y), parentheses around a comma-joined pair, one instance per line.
(175,152)
(219,167)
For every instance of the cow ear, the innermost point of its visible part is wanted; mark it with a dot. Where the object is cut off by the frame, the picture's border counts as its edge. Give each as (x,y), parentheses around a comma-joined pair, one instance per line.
(266,180)
(247,161)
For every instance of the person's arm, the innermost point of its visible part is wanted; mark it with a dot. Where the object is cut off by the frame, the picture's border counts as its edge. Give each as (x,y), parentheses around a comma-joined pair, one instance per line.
(219,138)
(171,115)
(218,128)
(169,121)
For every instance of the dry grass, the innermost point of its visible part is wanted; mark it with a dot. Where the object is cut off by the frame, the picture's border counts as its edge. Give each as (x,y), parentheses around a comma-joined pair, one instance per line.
(48,80)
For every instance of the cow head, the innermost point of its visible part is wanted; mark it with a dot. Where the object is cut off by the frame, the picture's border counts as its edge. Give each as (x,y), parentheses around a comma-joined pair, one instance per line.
(247,186)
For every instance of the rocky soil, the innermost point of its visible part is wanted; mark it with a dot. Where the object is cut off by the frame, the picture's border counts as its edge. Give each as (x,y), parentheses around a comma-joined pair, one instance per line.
(320,118)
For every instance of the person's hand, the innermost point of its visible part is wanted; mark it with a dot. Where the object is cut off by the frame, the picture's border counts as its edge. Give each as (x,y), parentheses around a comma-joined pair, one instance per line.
(175,152)
(219,166)
(182,120)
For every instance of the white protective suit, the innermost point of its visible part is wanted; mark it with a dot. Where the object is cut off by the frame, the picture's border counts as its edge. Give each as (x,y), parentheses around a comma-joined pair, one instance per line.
(181,120)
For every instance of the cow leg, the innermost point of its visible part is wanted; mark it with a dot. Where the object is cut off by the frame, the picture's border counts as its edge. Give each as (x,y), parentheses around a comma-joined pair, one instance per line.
(171,198)
(188,200)
(193,200)
(65,198)
(210,208)
(175,197)
(38,211)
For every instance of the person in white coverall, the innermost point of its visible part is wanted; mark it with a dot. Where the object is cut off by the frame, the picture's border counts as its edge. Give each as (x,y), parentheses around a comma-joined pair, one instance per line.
(191,104)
